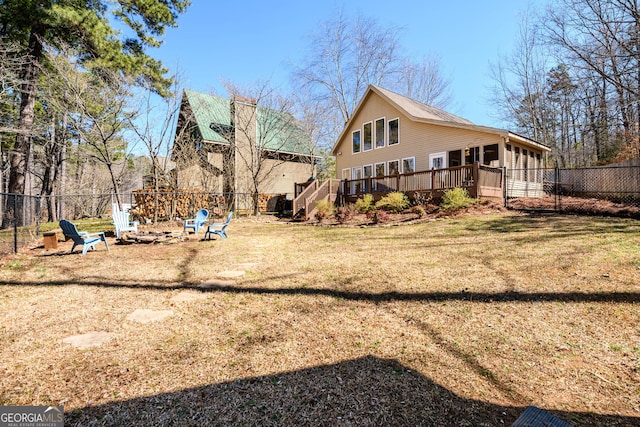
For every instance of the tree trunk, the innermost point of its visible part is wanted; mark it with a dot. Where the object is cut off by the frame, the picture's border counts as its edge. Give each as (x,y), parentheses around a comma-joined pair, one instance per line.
(62,165)
(114,183)
(20,153)
(48,178)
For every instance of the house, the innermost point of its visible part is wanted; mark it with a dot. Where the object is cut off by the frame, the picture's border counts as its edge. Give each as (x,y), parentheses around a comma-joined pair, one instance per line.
(391,135)
(234,146)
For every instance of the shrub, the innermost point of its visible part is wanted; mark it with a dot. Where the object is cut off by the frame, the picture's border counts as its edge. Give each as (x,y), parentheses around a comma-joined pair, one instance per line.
(394,202)
(343,215)
(419,210)
(324,209)
(455,199)
(378,216)
(365,203)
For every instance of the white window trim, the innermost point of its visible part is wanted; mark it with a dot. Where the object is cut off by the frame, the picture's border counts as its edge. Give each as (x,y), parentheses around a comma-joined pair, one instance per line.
(384,167)
(354,172)
(391,161)
(414,163)
(372,170)
(352,133)
(373,142)
(348,173)
(435,155)
(388,133)
(375,133)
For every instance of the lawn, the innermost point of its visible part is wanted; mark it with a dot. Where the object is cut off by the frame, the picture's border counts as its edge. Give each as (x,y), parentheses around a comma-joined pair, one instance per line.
(458,321)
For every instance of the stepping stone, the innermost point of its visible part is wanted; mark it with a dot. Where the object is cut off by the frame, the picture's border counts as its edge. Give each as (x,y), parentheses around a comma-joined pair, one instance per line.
(90,339)
(143,315)
(231,274)
(188,296)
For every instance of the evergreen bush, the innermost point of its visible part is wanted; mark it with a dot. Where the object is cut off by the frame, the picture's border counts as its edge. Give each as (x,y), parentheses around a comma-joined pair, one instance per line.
(393,202)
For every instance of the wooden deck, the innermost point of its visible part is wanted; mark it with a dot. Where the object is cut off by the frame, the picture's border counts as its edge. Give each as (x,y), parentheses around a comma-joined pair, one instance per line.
(478,180)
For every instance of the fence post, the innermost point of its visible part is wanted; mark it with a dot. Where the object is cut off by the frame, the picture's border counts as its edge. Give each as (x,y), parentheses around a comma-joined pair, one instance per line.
(556,190)
(15,224)
(38,213)
(504,186)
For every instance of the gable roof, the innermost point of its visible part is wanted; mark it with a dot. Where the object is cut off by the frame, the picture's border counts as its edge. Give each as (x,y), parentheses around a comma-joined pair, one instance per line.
(419,112)
(212,115)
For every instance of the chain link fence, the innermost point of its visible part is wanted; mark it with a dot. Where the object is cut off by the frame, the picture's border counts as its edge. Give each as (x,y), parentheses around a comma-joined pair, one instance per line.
(604,190)
(24,217)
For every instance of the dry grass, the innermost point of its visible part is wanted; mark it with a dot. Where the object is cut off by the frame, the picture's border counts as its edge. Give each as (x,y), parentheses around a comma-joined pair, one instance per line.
(460,321)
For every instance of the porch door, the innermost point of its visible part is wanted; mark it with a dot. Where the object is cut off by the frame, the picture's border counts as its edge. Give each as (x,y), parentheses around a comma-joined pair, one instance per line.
(356,185)
(438,161)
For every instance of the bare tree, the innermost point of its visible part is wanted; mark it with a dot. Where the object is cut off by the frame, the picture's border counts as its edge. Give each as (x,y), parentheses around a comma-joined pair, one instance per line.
(347,56)
(101,114)
(156,128)
(265,135)
(520,84)
(603,37)
(424,82)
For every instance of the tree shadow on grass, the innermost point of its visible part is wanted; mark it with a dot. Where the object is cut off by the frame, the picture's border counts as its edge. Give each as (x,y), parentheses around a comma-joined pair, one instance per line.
(369,391)
(552,225)
(253,287)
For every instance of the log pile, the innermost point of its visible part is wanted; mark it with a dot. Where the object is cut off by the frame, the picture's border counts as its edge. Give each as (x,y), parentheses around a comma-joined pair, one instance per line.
(270,202)
(185,203)
(174,204)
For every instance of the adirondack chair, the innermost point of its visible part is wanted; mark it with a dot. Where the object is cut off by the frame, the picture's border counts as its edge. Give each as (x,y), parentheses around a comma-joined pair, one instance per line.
(122,223)
(87,240)
(222,231)
(197,222)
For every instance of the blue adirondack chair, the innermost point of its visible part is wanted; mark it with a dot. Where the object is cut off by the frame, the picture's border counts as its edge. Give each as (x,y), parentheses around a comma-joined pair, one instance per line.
(197,222)
(222,231)
(87,240)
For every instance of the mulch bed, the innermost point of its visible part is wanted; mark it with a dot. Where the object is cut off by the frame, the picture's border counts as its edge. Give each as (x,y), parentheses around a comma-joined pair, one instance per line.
(578,205)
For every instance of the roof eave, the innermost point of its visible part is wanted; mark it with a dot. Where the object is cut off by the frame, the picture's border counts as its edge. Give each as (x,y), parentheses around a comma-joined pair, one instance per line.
(507,135)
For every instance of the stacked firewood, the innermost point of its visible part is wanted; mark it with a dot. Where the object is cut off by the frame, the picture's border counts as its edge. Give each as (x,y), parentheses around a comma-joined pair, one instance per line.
(174,204)
(270,202)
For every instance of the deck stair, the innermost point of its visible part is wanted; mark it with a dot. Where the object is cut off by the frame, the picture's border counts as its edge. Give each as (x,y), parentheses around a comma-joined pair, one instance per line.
(304,205)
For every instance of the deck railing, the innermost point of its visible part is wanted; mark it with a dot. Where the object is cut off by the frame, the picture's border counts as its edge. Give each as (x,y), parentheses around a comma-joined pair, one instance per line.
(315,192)
(478,180)
(432,180)
(303,191)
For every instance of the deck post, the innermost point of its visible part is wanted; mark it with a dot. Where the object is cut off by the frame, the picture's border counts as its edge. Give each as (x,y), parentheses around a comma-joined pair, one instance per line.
(433,180)
(476,178)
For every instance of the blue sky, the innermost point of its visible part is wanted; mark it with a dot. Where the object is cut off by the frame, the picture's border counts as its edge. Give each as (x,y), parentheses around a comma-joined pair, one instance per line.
(249,41)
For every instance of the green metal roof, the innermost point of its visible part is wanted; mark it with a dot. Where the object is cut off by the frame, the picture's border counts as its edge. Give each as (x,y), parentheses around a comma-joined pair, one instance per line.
(209,109)
(276,131)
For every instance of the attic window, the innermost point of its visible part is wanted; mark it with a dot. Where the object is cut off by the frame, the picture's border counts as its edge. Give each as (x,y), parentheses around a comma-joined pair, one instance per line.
(356,141)
(393,132)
